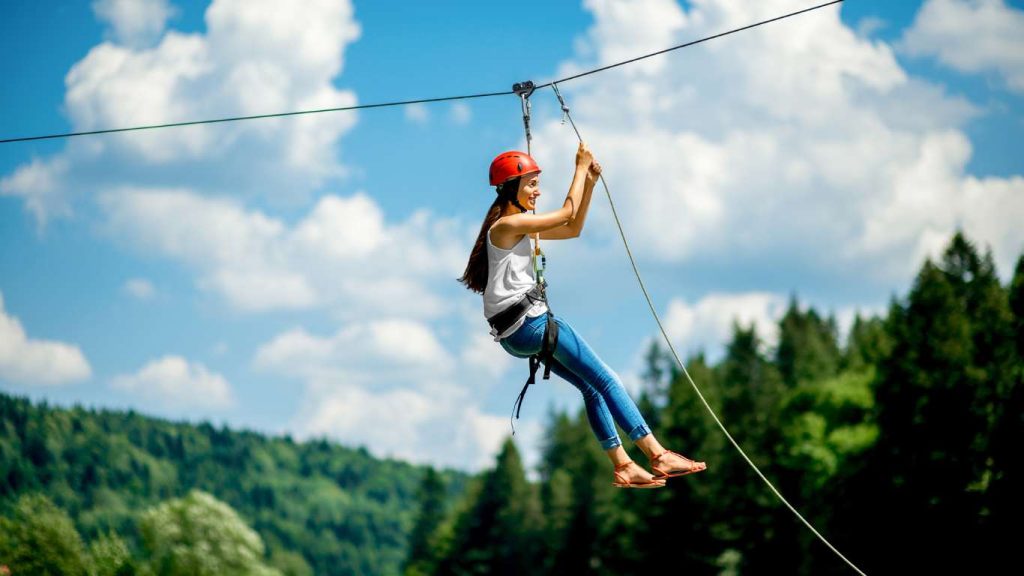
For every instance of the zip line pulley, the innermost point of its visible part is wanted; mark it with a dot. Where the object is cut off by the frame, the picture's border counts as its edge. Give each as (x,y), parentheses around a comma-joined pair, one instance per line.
(524,90)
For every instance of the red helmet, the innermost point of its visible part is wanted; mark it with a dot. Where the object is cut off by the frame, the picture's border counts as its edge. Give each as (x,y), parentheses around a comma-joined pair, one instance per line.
(511,164)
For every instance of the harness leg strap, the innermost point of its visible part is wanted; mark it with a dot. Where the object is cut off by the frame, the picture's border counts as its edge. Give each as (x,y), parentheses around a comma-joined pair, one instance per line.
(550,342)
(546,355)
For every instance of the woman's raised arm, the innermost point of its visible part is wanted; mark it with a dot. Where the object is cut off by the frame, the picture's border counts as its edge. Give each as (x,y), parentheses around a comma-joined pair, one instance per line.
(526,223)
(576,224)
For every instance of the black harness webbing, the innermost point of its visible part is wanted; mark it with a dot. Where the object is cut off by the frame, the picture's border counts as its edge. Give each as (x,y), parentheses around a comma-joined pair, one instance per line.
(546,355)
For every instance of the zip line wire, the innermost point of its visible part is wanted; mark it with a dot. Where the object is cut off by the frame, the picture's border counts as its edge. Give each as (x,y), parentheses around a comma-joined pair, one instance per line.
(705,39)
(408,102)
(565,111)
(237,118)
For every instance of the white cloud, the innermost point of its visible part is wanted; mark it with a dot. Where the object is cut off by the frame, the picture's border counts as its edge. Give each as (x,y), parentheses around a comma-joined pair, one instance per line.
(392,385)
(37,362)
(171,381)
(707,325)
(971,36)
(483,353)
(134,22)
(235,250)
(40,184)
(799,143)
(256,57)
(417,114)
(140,288)
(371,353)
(406,423)
(931,196)
(341,256)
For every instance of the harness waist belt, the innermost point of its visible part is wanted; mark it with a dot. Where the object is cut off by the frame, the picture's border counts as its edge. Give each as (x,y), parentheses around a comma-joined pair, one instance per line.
(509,316)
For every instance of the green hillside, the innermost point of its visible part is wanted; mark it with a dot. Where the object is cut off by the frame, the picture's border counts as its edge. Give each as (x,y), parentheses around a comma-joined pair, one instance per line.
(318,507)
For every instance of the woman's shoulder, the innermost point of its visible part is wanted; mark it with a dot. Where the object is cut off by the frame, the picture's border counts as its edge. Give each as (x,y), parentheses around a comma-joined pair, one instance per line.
(500,239)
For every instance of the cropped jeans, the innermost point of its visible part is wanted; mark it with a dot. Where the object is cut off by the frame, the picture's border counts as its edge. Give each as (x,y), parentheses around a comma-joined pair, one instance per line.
(603,393)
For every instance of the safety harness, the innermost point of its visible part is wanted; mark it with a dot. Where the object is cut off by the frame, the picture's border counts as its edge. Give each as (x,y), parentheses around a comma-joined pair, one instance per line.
(509,316)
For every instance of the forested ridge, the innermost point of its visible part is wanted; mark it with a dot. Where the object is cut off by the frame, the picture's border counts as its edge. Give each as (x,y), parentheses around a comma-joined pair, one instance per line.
(317,507)
(897,441)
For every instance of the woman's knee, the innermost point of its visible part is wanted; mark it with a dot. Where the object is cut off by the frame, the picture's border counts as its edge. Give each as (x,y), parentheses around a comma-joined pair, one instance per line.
(608,380)
(589,392)
(571,377)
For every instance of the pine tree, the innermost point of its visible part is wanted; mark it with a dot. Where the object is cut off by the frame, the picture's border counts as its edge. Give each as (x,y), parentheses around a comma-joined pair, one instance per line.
(423,545)
(658,369)
(752,393)
(678,517)
(808,349)
(828,427)
(1005,501)
(866,345)
(936,398)
(499,532)
(583,531)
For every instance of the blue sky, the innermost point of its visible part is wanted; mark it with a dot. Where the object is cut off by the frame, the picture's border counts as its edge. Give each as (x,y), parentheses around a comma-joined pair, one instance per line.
(298,274)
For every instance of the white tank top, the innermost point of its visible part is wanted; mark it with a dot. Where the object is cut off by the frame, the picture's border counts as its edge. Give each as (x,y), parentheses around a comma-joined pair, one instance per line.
(510,276)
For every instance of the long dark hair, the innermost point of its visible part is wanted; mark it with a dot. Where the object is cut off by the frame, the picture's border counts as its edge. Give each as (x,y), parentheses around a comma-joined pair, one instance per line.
(475,276)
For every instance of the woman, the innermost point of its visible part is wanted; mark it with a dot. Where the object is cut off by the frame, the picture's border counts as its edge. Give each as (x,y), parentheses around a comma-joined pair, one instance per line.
(499,268)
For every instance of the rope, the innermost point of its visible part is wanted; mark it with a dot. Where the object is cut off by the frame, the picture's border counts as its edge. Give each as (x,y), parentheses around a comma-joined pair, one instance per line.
(407,102)
(565,111)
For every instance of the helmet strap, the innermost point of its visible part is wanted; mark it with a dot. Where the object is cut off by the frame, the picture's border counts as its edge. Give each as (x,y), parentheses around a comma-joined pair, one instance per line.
(512,197)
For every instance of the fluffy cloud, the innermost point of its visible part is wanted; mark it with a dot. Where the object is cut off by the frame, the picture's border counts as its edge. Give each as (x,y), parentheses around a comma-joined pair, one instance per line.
(40,184)
(134,22)
(707,324)
(971,36)
(392,385)
(256,57)
(411,425)
(173,382)
(383,351)
(482,353)
(799,143)
(342,255)
(37,362)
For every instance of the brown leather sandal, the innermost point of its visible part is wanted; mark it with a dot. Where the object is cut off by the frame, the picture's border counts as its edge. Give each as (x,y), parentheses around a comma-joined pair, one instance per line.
(625,483)
(661,474)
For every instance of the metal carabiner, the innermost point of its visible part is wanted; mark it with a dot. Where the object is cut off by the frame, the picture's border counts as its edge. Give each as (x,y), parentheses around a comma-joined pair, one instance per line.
(539,270)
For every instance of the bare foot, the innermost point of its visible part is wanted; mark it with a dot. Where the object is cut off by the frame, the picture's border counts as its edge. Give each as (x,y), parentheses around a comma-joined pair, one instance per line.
(671,464)
(635,474)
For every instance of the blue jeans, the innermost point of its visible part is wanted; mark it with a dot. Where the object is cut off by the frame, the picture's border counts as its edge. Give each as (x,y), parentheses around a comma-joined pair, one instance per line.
(574,360)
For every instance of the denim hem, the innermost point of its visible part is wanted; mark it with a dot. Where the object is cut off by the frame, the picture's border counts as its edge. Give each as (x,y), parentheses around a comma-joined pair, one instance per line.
(639,432)
(611,443)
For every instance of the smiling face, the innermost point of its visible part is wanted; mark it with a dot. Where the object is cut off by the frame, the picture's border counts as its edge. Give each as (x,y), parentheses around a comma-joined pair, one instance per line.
(529,190)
